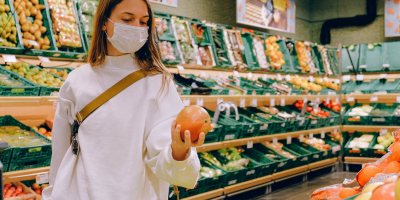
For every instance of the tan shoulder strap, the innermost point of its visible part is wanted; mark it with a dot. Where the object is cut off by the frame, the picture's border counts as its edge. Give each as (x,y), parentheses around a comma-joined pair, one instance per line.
(108,94)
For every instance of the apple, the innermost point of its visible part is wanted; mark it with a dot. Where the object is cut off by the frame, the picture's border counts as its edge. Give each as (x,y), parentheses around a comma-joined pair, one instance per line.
(371,187)
(364,196)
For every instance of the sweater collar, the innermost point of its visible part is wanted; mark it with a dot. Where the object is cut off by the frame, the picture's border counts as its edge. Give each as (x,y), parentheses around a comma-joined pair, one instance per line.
(124,62)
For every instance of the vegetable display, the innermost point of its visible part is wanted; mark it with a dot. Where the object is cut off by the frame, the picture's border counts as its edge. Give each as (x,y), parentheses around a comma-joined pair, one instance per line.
(11,190)
(304,83)
(332,105)
(361,142)
(7,81)
(198,32)
(329,84)
(278,148)
(88,9)
(161,25)
(18,137)
(260,52)
(167,51)
(384,141)
(209,172)
(8,30)
(317,143)
(360,111)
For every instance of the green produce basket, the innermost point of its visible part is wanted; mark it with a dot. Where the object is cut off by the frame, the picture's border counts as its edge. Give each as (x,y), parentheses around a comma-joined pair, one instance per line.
(177,53)
(334,60)
(182,90)
(171,193)
(214,182)
(333,119)
(351,120)
(358,152)
(168,35)
(249,56)
(304,157)
(29,164)
(264,123)
(318,60)
(386,86)
(376,153)
(69,69)
(269,91)
(207,39)
(268,82)
(303,123)
(28,89)
(293,66)
(214,135)
(345,85)
(335,148)
(215,88)
(19,49)
(16,154)
(370,59)
(250,127)
(266,165)
(231,128)
(277,125)
(390,58)
(365,87)
(283,163)
(347,66)
(313,123)
(317,155)
(220,51)
(293,124)
(285,52)
(383,119)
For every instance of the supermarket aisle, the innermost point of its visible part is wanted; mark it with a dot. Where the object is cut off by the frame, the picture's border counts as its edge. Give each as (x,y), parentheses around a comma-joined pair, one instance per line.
(303,191)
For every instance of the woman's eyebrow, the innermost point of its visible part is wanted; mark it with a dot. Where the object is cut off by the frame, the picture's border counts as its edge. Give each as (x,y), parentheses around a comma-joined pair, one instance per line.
(146,16)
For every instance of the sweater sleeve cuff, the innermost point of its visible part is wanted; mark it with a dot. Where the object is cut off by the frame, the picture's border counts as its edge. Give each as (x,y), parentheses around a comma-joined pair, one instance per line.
(181,165)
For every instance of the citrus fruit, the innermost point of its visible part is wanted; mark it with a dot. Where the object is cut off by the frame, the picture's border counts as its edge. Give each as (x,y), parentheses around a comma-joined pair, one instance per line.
(385,162)
(195,119)
(393,167)
(384,192)
(396,150)
(347,192)
(367,173)
(378,174)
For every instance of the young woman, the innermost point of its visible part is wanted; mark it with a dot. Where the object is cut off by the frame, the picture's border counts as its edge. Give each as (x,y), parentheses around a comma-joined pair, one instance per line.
(130,147)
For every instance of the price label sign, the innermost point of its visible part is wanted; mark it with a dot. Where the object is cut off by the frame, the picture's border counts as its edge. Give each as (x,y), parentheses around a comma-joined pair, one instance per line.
(337,81)
(328,100)
(346,78)
(383,76)
(254,102)
(55,104)
(283,101)
(337,99)
(33,43)
(301,137)
(264,77)
(249,75)
(231,93)
(325,78)
(311,78)
(220,75)
(9,58)
(398,99)
(288,78)
(336,148)
(350,99)
(289,139)
(242,102)
(311,135)
(250,144)
(237,82)
(42,178)
(203,74)
(220,100)
(180,67)
(334,131)
(200,102)
(374,98)
(322,134)
(297,76)
(44,59)
(363,66)
(236,73)
(317,100)
(279,77)
(383,132)
(272,102)
(275,140)
(385,65)
(186,102)
(360,77)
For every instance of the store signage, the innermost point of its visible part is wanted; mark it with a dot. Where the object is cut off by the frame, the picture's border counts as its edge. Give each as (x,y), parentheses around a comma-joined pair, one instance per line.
(279,15)
(254,102)
(173,3)
(289,139)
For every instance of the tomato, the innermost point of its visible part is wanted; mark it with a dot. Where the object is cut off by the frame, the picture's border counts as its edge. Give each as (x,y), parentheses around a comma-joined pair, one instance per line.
(312,112)
(319,109)
(308,109)
(329,106)
(297,105)
(325,104)
(327,114)
(300,101)
(301,104)
(337,108)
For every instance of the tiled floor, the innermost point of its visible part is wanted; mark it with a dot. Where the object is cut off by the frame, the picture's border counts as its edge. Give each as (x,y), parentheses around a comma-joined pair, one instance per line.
(303,191)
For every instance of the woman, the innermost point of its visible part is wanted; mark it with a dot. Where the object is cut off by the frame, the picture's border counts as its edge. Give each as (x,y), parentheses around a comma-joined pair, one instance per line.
(130,147)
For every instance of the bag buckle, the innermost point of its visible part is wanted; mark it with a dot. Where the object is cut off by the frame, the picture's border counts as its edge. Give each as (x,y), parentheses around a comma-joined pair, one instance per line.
(73,139)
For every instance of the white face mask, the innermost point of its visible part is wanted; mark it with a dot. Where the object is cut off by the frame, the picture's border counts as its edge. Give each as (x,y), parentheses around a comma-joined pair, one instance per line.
(128,39)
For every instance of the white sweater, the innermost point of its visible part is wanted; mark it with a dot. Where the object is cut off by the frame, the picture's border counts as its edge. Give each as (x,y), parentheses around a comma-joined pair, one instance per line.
(125,144)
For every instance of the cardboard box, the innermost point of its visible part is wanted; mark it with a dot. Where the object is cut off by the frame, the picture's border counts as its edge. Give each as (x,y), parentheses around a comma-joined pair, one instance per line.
(29,193)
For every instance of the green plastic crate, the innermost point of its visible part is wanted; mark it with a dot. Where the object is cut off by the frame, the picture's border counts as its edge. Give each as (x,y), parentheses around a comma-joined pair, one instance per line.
(386,86)
(358,152)
(220,49)
(313,123)
(278,124)
(29,89)
(249,52)
(334,146)
(347,66)
(282,164)
(266,165)
(29,164)
(293,66)
(334,60)
(390,57)
(370,60)
(303,123)
(351,120)
(366,87)
(293,124)
(214,135)
(250,128)
(215,88)
(16,154)
(214,182)
(383,120)
(304,157)
(177,53)
(264,123)
(183,91)
(231,130)
(345,85)
(269,82)
(333,119)
(207,40)
(376,153)
(168,35)
(19,49)
(285,52)
(317,155)
(318,60)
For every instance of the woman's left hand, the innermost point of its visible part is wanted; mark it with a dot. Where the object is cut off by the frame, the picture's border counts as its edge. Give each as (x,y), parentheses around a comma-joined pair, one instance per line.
(179,147)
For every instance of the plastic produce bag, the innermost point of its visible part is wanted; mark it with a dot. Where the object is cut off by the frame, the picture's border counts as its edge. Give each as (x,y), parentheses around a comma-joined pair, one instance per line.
(89,7)
(328,192)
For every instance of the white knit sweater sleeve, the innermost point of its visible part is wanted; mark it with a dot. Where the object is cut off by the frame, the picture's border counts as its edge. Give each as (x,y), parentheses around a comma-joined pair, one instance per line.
(158,144)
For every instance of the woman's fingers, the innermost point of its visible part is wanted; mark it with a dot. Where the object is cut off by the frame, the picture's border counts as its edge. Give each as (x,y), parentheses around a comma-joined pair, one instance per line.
(200,141)
(173,126)
(188,140)
(212,127)
(176,136)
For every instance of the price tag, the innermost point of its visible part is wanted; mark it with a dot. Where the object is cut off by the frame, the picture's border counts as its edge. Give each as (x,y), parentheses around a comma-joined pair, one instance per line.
(337,99)
(254,102)
(297,76)
(231,92)
(200,102)
(374,98)
(385,65)
(336,148)
(236,73)
(220,100)
(337,81)
(237,82)
(327,100)
(363,66)
(322,134)
(186,102)
(180,67)
(383,132)
(305,101)
(346,78)
(288,78)
(242,102)
(33,43)
(9,58)
(317,100)
(272,102)
(289,139)
(350,99)
(42,178)
(326,78)
(301,137)
(311,78)
(334,131)
(275,140)
(44,59)
(264,77)
(383,76)
(311,135)
(398,99)
(279,77)
(1,40)
(220,75)
(267,94)
(360,77)
(283,101)
(54,94)
(250,144)
(203,74)
(55,104)
(249,75)
(349,67)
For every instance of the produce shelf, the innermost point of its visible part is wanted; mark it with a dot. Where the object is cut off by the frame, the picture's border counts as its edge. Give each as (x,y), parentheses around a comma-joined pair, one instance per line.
(366,98)
(358,160)
(24,175)
(206,195)
(289,172)
(362,128)
(322,163)
(247,184)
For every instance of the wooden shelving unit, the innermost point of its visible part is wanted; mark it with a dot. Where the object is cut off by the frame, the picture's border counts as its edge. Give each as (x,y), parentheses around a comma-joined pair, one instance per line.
(370,98)
(358,160)
(23,175)
(353,128)
(206,195)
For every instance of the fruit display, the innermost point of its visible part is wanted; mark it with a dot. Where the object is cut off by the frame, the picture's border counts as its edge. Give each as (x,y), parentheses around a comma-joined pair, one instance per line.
(384,141)
(8,27)
(219,47)
(17,137)
(15,190)
(35,75)
(379,112)
(30,15)
(329,84)
(181,30)
(236,162)
(332,105)
(278,148)
(188,53)
(43,131)
(360,111)
(62,73)
(273,52)
(65,25)
(303,59)
(325,60)
(206,56)
(161,25)
(209,172)
(196,120)
(198,31)
(361,142)
(38,189)
(317,143)
(317,112)
(234,43)
(167,51)
(304,83)
(7,81)
(88,9)
(260,53)
(275,111)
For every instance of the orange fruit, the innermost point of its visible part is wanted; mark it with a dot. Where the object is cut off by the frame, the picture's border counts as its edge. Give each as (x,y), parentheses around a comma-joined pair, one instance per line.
(385,162)
(393,167)
(42,131)
(396,150)
(347,192)
(319,195)
(378,174)
(194,119)
(384,192)
(357,189)
(367,173)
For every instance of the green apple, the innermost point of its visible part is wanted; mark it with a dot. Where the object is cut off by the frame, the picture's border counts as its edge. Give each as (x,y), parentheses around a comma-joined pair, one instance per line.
(381,139)
(364,196)
(371,187)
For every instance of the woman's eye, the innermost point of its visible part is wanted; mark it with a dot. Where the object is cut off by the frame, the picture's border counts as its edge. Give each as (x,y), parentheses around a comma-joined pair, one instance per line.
(144,23)
(126,20)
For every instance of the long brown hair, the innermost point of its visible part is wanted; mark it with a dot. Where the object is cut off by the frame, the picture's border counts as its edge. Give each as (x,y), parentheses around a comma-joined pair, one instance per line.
(148,56)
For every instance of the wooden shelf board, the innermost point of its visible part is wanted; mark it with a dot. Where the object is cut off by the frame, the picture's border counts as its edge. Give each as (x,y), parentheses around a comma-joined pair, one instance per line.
(247,184)
(322,163)
(20,101)
(361,128)
(289,172)
(23,175)
(366,98)
(240,142)
(359,159)
(206,195)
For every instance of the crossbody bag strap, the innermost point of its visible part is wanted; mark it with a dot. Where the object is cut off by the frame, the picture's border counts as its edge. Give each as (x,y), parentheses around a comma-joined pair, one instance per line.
(100,100)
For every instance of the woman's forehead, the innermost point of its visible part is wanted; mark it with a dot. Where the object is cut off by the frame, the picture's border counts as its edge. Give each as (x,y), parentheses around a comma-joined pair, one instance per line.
(137,8)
